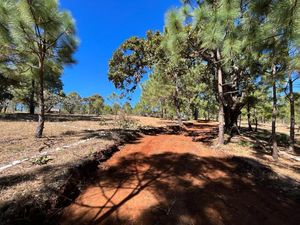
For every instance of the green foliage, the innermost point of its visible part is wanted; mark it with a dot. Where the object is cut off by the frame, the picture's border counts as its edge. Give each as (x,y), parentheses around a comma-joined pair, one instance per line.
(42,160)
(252,38)
(95,104)
(127,108)
(116,108)
(132,59)
(72,103)
(107,110)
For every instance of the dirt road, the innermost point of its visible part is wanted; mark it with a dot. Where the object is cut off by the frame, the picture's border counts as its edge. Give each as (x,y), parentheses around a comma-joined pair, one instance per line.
(170,179)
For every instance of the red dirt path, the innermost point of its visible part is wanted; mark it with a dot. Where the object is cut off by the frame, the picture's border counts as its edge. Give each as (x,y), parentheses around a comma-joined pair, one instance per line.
(172,180)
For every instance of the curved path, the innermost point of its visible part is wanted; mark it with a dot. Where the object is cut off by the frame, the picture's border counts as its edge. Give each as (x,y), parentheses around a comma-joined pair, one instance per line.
(174,180)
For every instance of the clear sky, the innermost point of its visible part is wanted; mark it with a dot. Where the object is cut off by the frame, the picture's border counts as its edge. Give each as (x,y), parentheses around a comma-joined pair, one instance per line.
(102,26)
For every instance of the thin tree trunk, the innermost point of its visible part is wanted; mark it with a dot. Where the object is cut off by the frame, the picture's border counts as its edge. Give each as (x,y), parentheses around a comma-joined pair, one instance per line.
(178,113)
(195,113)
(274,115)
(221,117)
(208,114)
(176,102)
(292,115)
(41,121)
(256,120)
(31,103)
(249,117)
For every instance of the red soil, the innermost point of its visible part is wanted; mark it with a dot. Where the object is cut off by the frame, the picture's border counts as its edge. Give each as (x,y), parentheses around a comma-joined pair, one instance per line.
(173,180)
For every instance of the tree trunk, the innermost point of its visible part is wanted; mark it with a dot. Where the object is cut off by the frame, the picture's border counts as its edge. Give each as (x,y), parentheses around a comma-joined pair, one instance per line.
(32,103)
(292,115)
(256,120)
(274,115)
(178,113)
(195,112)
(208,114)
(41,121)
(249,117)
(231,116)
(221,117)
(176,102)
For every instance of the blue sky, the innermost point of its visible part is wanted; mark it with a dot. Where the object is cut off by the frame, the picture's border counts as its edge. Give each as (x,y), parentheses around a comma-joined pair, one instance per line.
(102,26)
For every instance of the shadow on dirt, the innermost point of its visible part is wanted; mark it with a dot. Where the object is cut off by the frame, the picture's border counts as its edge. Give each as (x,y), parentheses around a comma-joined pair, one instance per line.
(188,191)
(205,133)
(260,141)
(31,210)
(124,136)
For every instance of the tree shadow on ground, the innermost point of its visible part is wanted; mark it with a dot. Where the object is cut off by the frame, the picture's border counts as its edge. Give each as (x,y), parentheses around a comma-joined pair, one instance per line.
(187,190)
(260,141)
(61,184)
(205,133)
(79,174)
(123,136)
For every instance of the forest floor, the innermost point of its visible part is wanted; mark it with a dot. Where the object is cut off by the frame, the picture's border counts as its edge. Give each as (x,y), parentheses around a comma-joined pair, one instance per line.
(154,174)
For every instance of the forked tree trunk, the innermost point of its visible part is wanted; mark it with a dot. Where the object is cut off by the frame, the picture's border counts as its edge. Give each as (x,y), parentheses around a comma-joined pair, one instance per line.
(221,117)
(292,115)
(274,116)
(41,121)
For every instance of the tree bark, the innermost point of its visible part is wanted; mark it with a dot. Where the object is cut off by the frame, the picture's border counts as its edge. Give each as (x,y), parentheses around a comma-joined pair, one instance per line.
(231,116)
(195,112)
(292,115)
(274,116)
(32,103)
(41,121)
(221,117)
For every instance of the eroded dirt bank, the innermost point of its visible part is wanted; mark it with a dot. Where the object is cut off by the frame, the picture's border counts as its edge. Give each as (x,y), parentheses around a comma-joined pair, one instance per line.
(169,179)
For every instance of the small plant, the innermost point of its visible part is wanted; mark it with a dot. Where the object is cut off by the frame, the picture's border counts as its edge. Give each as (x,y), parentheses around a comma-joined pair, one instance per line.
(125,122)
(102,121)
(245,143)
(43,160)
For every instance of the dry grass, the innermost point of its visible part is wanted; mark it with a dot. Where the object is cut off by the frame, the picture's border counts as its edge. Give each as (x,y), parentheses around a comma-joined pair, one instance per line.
(257,146)
(67,141)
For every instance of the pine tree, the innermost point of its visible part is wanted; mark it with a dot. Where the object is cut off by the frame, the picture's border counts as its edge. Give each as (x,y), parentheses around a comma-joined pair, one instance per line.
(42,30)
